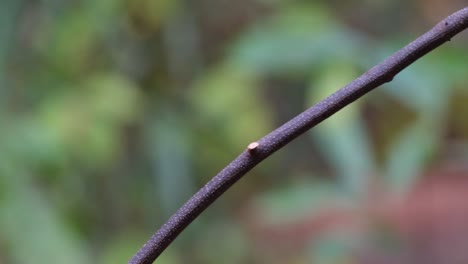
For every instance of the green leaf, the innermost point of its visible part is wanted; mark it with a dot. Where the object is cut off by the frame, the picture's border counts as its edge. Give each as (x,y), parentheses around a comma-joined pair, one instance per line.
(33,231)
(228,102)
(300,200)
(296,39)
(87,119)
(408,156)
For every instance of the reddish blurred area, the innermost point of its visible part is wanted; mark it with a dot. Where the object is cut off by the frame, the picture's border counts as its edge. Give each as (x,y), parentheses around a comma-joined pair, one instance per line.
(428,224)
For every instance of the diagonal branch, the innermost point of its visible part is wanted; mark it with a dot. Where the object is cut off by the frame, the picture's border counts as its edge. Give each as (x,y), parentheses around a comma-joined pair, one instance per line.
(258,151)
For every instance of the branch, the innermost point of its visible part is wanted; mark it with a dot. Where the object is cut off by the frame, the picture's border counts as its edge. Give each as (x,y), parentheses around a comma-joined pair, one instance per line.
(258,151)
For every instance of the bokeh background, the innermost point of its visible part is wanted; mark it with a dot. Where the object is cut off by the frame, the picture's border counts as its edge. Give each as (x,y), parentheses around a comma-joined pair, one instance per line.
(114,112)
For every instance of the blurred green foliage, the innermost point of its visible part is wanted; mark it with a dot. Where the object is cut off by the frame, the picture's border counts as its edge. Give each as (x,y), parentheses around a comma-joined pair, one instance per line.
(112,113)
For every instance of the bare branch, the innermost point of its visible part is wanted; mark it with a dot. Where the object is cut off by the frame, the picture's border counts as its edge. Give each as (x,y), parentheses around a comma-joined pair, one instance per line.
(258,151)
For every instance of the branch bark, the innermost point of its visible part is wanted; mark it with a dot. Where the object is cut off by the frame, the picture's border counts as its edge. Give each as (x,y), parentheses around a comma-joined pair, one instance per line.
(258,151)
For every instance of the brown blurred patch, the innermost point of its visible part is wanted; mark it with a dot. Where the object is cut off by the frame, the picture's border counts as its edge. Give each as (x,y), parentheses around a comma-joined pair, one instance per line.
(435,10)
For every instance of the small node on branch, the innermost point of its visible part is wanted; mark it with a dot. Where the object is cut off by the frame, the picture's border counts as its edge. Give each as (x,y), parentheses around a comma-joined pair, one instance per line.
(252,146)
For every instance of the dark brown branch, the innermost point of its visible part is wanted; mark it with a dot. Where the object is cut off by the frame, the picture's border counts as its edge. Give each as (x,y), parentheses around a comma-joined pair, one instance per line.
(258,151)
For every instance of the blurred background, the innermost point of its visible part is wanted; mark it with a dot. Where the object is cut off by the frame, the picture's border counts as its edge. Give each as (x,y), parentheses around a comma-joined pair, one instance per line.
(114,112)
